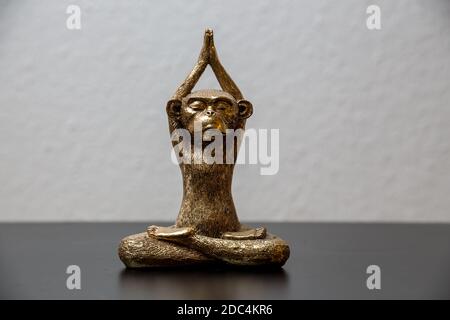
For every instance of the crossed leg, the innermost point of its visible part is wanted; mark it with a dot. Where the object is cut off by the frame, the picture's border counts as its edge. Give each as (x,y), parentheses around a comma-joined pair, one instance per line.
(140,250)
(170,246)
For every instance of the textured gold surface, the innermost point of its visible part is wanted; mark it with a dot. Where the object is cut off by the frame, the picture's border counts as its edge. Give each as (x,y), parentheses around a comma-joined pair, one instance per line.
(139,250)
(207,228)
(258,233)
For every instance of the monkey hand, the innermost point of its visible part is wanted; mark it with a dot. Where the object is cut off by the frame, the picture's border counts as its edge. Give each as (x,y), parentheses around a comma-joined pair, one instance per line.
(213,56)
(246,234)
(169,233)
(208,39)
(204,57)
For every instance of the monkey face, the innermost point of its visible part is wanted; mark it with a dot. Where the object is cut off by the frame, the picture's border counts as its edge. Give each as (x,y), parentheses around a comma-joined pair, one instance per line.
(209,109)
(215,112)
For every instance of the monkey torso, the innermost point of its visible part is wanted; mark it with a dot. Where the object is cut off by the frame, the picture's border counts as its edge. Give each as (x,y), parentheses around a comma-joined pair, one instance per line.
(207,204)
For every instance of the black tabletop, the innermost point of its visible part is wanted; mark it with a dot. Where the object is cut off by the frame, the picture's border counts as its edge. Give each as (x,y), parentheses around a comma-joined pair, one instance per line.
(328,261)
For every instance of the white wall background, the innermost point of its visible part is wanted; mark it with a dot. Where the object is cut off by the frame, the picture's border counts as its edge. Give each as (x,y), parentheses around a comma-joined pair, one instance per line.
(364,116)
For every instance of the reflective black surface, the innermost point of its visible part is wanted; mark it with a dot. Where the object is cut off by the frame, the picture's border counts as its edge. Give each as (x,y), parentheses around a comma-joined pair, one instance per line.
(327,261)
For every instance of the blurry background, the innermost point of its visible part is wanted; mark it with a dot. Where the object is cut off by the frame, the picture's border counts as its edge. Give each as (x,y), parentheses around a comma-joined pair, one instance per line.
(364,116)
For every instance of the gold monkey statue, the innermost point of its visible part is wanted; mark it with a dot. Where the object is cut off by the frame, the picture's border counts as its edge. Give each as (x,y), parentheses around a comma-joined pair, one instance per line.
(207,230)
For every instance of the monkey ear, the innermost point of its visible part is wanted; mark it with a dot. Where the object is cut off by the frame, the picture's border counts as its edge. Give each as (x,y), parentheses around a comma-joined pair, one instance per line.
(173,108)
(245,109)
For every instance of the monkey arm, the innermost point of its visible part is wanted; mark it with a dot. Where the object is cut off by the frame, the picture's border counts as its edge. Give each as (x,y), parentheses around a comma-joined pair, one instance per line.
(222,76)
(208,55)
(202,62)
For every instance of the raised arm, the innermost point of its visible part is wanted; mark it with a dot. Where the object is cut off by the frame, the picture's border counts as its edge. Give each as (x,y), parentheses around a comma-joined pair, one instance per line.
(222,76)
(202,62)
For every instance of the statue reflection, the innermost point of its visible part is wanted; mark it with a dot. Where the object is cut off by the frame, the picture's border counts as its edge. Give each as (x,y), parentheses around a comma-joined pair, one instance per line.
(204,283)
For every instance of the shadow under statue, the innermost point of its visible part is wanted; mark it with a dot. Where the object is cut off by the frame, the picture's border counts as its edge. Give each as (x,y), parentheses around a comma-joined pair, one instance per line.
(207,230)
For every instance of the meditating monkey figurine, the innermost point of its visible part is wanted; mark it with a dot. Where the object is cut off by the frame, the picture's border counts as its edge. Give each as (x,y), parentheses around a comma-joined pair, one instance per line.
(207,230)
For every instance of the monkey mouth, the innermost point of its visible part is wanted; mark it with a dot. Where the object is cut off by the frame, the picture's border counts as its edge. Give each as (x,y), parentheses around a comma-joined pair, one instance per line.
(212,126)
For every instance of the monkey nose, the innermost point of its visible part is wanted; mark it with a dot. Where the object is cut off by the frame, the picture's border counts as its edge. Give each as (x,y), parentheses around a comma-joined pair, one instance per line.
(210,112)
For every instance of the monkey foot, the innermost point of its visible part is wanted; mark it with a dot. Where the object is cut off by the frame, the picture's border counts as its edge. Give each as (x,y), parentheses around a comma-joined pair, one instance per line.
(170,246)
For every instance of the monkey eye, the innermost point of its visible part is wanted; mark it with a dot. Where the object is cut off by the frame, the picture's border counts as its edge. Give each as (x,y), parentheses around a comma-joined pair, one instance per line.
(197,105)
(222,105)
